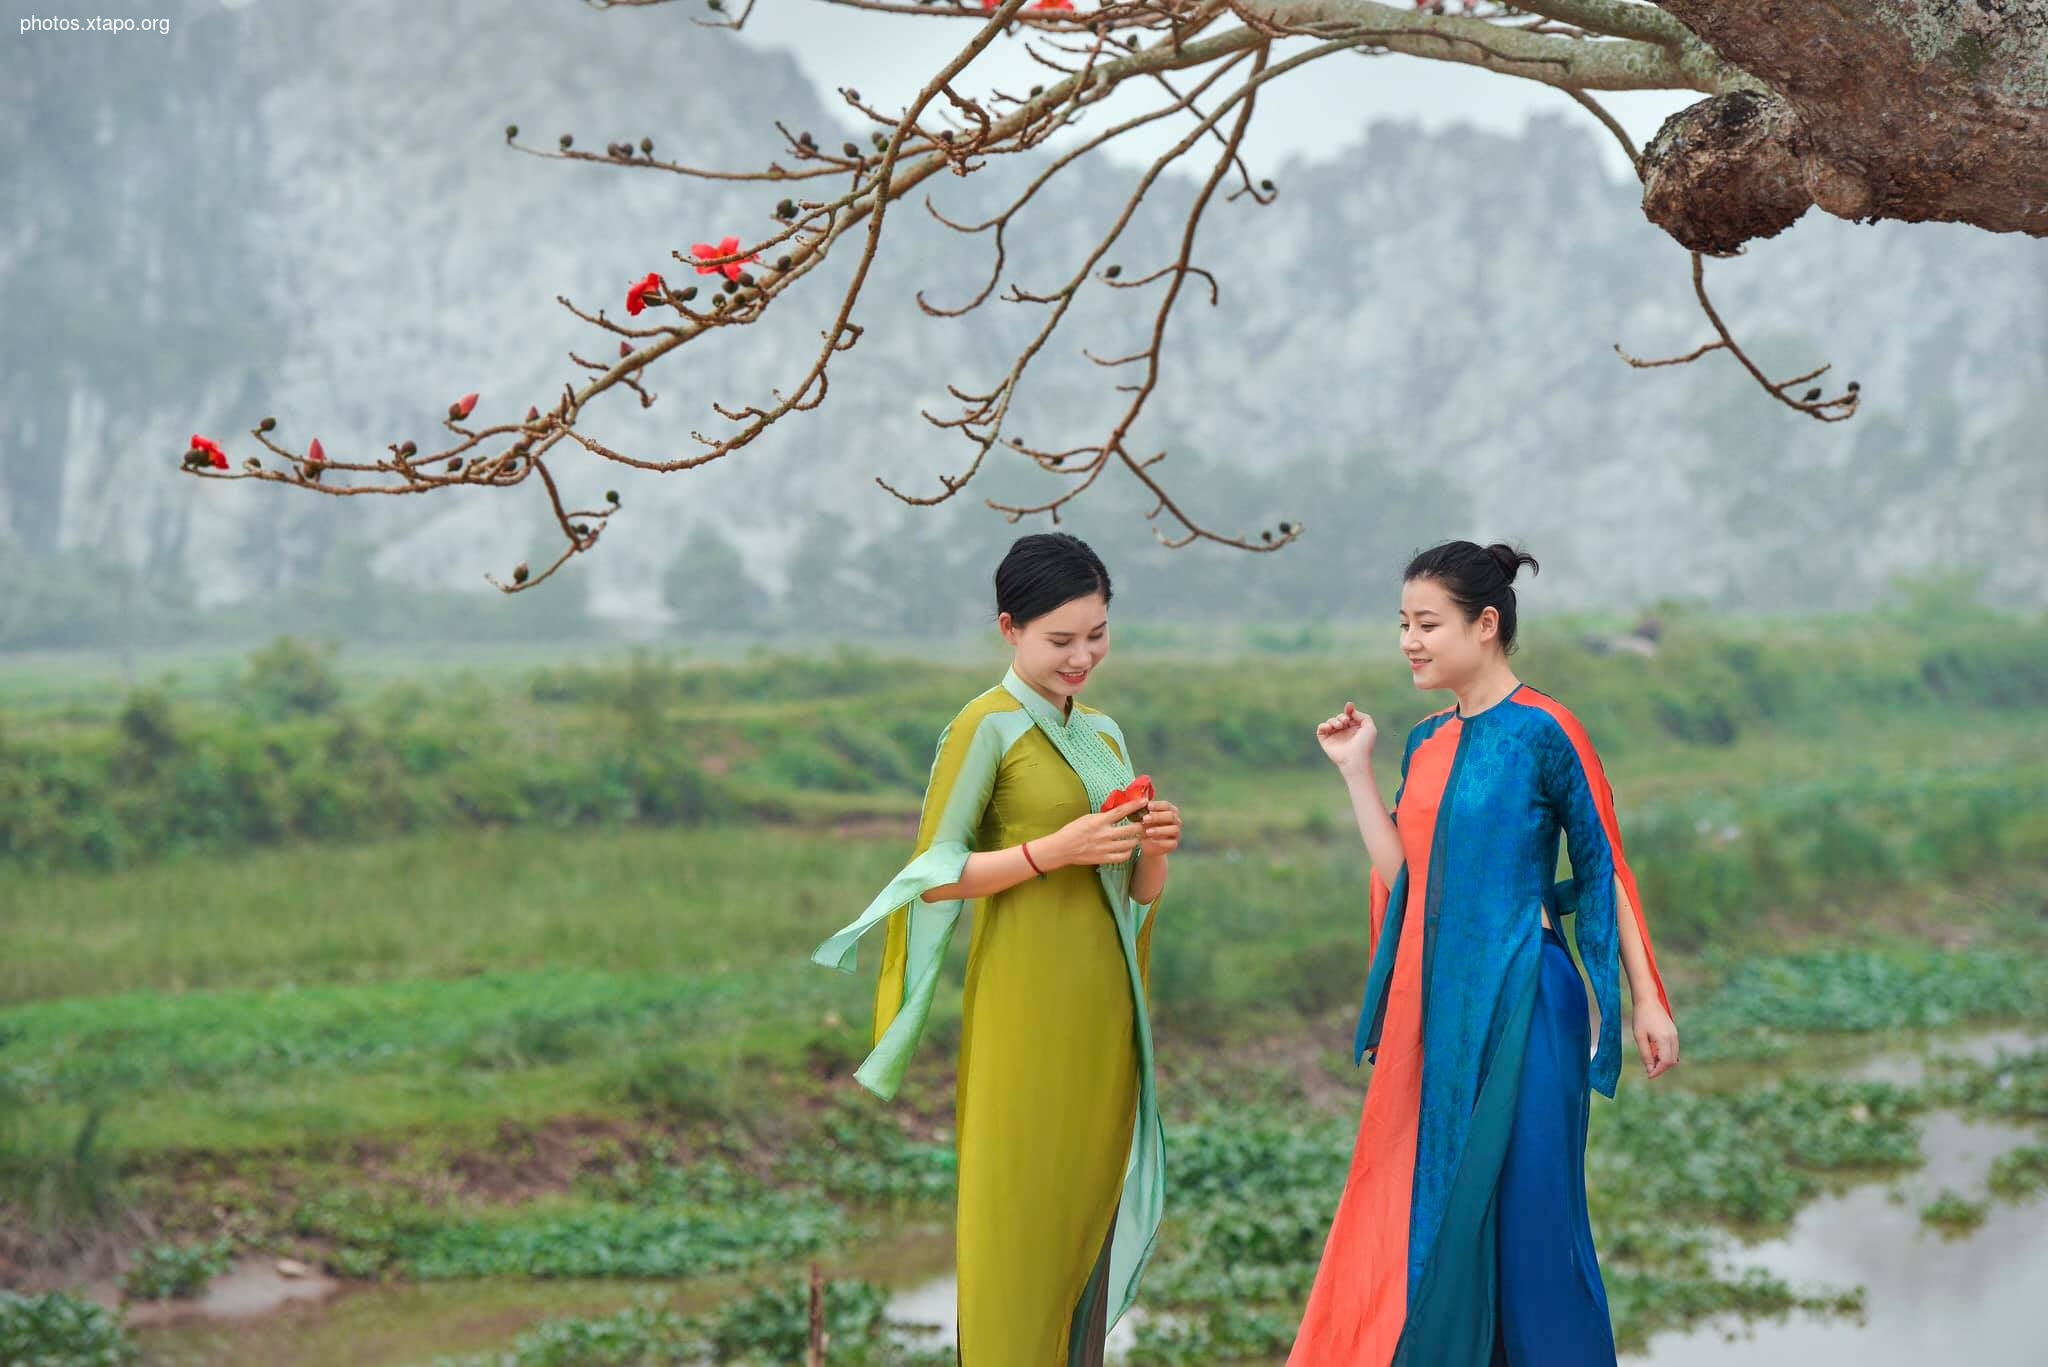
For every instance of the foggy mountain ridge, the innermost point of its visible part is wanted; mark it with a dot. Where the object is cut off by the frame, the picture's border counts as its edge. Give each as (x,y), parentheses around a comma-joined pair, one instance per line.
(315,216)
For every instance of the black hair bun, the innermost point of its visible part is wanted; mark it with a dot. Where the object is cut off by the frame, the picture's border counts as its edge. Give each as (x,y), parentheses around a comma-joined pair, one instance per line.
(1511,560)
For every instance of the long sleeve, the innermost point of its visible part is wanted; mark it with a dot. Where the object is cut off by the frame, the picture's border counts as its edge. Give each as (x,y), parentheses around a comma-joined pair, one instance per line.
(1380,893)
(1388,906)
(1575,785)
(963,774)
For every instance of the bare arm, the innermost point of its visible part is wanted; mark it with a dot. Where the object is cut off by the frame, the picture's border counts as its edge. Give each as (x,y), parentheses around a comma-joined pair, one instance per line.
(1150,879)
(1634,962)
(1656,1034)
(1098,838)
(1347,739)
(1375,826)
(986,873)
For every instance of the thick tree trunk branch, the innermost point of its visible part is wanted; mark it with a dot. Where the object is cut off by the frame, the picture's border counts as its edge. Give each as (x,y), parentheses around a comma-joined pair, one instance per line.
(1617,19)
(1920,110)
(1551,58)
(1726,171)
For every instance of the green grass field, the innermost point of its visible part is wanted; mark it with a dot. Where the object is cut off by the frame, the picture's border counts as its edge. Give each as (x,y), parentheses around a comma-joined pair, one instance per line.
(439,978)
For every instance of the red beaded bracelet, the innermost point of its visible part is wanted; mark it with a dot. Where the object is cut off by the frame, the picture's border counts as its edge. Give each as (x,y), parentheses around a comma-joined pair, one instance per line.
(1026,847)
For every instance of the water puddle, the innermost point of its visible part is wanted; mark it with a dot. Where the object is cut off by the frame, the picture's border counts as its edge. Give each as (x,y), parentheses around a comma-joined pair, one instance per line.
(1927,1298)
(1908,1067)
(252,1287)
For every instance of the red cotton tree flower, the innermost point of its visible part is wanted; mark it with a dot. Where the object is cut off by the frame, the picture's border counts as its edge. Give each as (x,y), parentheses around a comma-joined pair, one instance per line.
(215,457)
(727,247)
(636,294)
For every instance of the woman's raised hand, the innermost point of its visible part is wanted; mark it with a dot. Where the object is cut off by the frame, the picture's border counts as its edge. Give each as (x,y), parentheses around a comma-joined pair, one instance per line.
(1098,838)
(1347,738)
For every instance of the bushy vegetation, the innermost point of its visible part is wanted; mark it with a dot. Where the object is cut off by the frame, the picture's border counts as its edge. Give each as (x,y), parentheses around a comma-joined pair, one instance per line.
(162,1272)
(284,754)
(61,1330)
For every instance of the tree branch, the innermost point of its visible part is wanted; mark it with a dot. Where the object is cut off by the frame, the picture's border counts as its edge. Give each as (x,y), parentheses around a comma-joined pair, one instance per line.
(1921,110)
(1553,59)
(1577,46)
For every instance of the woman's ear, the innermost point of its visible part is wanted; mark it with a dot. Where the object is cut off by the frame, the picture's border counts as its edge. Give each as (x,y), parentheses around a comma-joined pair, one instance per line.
(1008,626)
(1488,623)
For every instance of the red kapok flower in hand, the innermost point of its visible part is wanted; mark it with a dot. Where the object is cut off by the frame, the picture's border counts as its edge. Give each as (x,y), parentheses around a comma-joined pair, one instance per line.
(215,457)
(462,407)
(1140,787)
(636,294)
(316,452)
(730,269)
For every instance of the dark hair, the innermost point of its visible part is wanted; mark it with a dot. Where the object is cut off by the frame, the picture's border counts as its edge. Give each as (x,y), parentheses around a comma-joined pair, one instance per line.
(1044,570)
(1477,578)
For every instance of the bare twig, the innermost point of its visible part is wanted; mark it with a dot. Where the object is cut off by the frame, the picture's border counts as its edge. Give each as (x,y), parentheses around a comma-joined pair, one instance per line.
(1814,406)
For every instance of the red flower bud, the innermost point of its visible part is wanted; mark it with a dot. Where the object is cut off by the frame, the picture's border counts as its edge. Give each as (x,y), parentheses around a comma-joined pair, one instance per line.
(532,413)
(461,407)
(316,452)
(625,348)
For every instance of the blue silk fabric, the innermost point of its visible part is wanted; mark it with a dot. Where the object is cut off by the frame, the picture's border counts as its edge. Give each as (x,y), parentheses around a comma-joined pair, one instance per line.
(1516,784)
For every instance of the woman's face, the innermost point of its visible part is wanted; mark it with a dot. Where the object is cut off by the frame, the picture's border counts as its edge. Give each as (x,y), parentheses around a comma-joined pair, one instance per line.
(1443,649)
(1058,651)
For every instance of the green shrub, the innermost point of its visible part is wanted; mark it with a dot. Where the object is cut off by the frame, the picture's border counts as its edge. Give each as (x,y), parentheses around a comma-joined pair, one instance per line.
(61,1330)
(162,1272)
(1952,1214)
(771,1327)
(293,677)
(637,1336)
(148,728)
(2020,1172)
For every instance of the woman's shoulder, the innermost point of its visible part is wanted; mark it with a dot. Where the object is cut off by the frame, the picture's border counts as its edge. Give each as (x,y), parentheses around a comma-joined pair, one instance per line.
(1422,730)
(994,713)
(1548,721)
(988,703)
